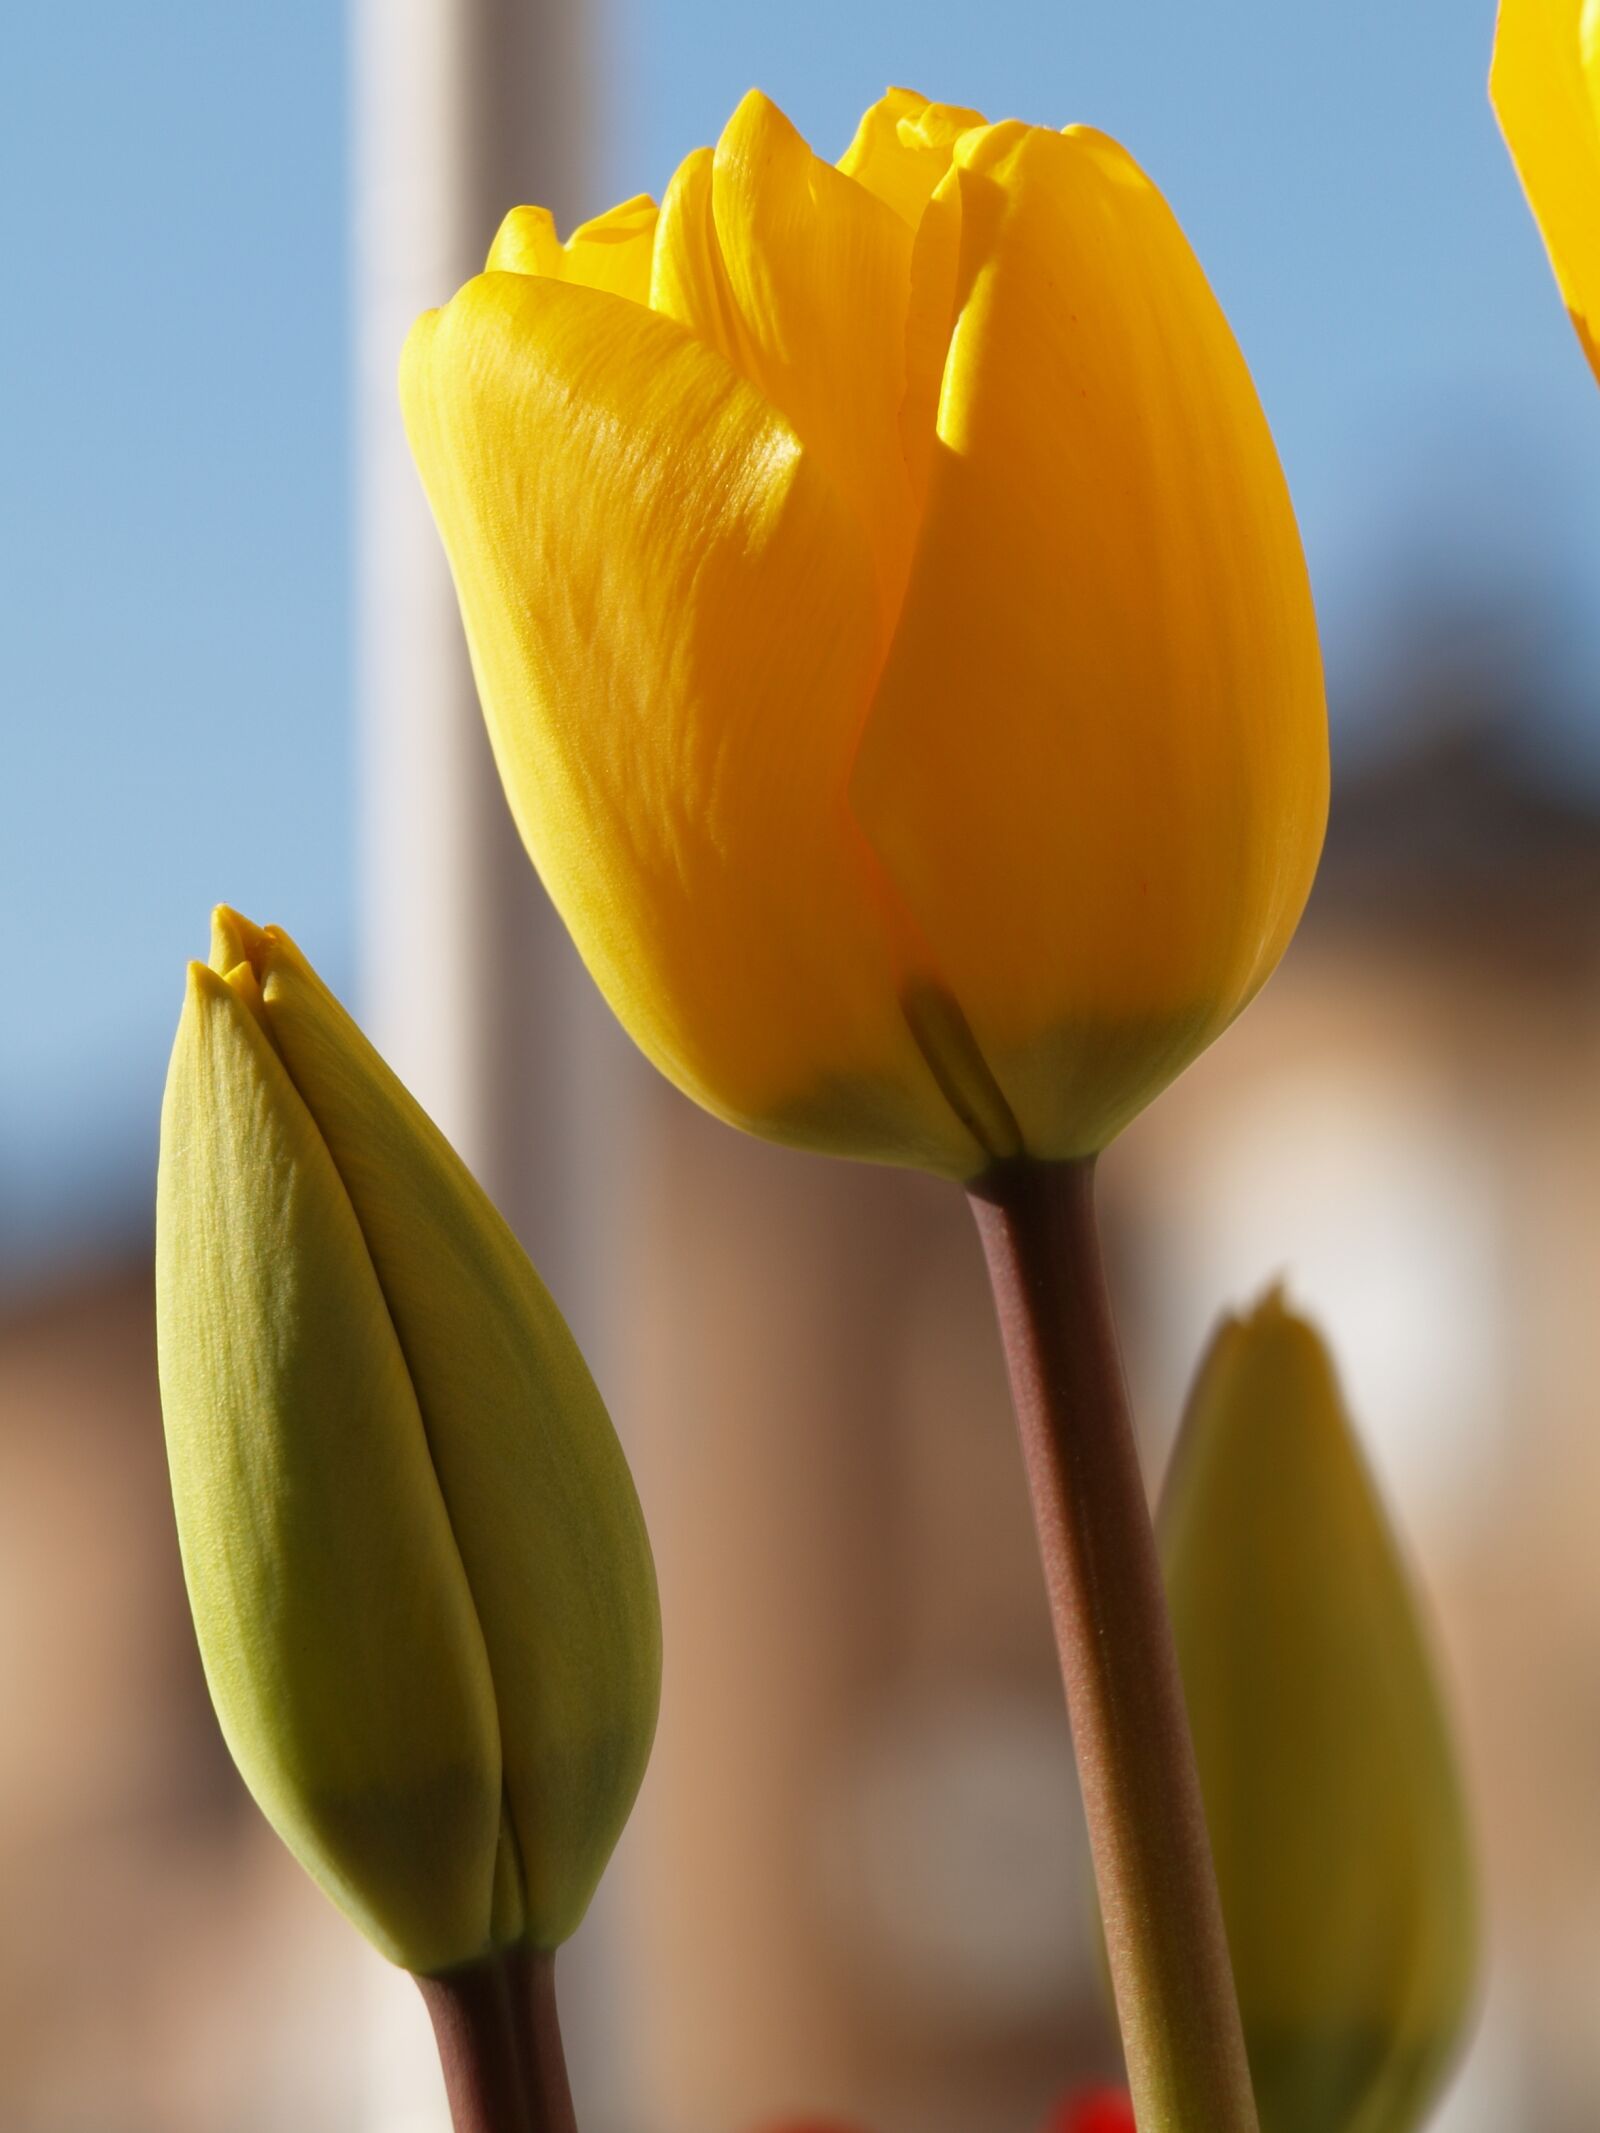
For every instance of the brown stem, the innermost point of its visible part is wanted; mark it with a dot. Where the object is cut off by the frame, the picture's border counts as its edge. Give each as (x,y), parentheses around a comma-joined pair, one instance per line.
(475,2028)
(544,2062)
(1158,1892)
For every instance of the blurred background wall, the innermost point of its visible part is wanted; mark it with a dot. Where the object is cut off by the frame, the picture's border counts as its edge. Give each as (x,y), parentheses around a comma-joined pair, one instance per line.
(854,1881)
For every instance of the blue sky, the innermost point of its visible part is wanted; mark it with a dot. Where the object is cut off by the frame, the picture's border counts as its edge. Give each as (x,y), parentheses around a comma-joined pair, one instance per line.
(173,596)
(174,601)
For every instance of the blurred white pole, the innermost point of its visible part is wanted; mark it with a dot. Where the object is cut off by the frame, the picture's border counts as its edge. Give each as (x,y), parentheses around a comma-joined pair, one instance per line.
(461,109)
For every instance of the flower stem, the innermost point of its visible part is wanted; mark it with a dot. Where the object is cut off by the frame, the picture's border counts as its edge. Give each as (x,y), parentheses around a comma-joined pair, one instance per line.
(1158,1892)
(500,2044)
(544,2062)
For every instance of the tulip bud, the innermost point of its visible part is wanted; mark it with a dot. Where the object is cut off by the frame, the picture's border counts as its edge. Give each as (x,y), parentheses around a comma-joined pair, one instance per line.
(417,1565)
(1331,1788)
(891,624)
(1545,86)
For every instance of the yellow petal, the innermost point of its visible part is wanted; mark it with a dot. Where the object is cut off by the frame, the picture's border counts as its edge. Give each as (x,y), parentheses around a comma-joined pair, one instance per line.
(672,623)
(1096,769)
(527,242)
(340,1644)
(1331,1790)
(234,940)
(1545,84)
(539,1496)
(902,149)
(613,252)
(800,278)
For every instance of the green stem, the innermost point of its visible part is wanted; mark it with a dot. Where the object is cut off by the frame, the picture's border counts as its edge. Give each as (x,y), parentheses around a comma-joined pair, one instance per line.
(1158,1892)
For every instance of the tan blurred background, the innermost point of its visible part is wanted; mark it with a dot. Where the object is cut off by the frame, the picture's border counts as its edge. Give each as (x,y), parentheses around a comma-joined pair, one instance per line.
(855,1882)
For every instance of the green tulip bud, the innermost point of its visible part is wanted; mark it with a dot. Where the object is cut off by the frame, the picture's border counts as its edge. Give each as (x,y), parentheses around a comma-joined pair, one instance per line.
(1331,1789)
(418,1569)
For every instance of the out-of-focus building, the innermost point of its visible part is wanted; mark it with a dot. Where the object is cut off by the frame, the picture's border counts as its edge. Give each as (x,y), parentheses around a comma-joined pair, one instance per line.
(161,1970)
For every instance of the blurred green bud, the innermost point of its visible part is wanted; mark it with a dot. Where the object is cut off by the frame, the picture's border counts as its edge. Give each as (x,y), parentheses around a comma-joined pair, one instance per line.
(418,1569)
(1331,1789)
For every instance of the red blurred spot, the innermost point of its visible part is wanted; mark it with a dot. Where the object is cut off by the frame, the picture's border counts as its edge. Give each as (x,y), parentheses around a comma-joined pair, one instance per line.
(1093,2111)
(808,2125)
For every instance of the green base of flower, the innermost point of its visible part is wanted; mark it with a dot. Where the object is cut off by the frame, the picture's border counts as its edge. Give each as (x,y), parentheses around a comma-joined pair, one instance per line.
(1347,2081)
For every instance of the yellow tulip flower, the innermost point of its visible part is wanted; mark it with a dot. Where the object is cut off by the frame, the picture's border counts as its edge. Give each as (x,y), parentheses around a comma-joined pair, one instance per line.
(1331,1788)
(417,1566)
(891,624)
(1545,84)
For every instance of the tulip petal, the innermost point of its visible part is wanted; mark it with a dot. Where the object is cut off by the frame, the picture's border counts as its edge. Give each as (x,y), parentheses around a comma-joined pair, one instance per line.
(671,618)
(539,1496)
(339,1639)
(902,149)
(613,252)
(1096,768)
(234,940)
(1332,1796)
(1545,86)
(800,278)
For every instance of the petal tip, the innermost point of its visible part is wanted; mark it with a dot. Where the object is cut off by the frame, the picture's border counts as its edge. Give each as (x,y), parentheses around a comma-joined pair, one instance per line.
(756,116)
(1272,1307)
(234,939)
(525,243)
(201,983)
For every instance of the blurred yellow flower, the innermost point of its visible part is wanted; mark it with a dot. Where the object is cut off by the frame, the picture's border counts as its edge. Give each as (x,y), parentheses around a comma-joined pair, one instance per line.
(418,1570)
(1331,1788)
(1545,85)
(892,626)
